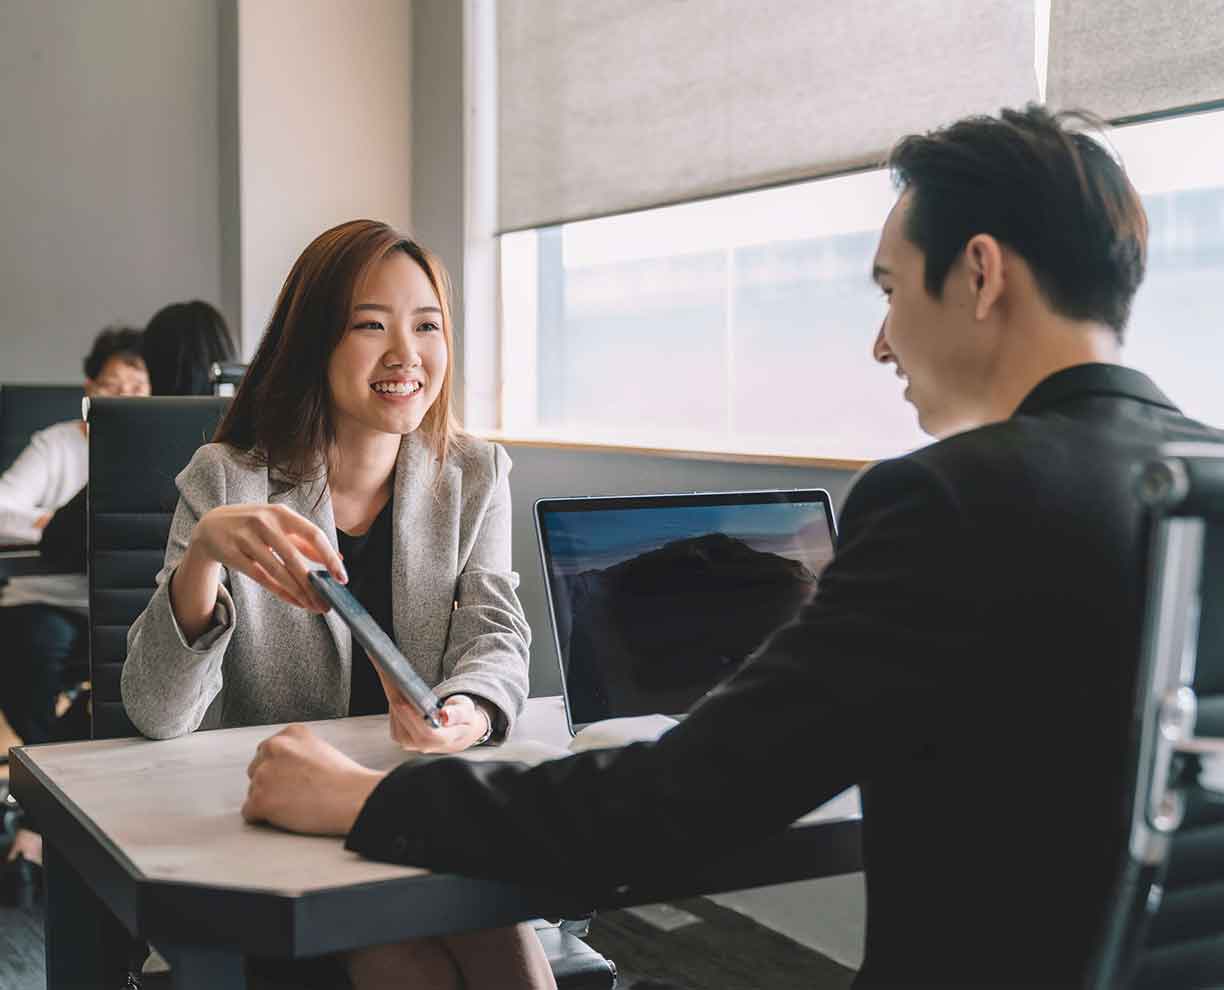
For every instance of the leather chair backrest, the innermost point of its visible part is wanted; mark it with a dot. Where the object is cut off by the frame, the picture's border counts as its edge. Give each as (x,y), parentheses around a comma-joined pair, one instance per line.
(1184,943)
(136,449)
(1165,922)
(26,409)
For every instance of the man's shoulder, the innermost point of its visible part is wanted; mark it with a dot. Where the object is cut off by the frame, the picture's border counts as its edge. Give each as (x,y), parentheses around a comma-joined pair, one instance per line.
(67,433)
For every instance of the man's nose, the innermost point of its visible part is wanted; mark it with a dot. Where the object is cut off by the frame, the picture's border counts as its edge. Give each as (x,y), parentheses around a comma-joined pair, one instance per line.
(880,350)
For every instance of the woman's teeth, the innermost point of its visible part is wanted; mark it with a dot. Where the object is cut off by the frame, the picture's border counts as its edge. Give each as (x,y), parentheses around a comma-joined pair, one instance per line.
(396,388)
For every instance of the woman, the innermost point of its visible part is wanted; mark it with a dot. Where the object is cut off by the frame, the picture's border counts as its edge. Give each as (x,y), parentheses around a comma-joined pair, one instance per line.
(341,438)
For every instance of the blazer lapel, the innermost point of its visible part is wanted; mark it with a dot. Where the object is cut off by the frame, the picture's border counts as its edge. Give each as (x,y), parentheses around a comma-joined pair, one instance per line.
(302,500)
(416,593)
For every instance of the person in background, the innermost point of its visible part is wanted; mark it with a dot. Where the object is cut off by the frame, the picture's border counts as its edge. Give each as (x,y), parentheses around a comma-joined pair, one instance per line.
(43,619)
(970,655)
(181,343)
(180,346)
(341,438)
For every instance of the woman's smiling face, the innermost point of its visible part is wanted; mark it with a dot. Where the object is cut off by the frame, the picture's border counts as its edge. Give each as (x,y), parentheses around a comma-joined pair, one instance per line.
(390,365)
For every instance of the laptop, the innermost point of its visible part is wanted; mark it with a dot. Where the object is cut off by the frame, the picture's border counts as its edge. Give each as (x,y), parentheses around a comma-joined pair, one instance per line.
(656,599)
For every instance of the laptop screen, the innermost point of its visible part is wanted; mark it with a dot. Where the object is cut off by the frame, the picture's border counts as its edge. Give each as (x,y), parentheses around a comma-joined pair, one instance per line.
(655,599)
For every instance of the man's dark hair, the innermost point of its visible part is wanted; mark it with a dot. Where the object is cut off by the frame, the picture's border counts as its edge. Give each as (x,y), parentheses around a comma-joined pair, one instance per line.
(115,341)
(1053,195)
(181,343)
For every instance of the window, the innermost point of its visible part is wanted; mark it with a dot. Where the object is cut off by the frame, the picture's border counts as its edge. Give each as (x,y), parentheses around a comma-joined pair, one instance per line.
(1176,331)
(745,323)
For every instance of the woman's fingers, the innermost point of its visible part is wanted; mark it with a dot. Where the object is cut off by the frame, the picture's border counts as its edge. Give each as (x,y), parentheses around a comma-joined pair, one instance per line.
(410,730)
(274,568)
(294,563)
(256,573)
(312,542)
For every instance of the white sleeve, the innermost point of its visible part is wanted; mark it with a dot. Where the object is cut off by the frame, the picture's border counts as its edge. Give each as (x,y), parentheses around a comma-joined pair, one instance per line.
(25,492)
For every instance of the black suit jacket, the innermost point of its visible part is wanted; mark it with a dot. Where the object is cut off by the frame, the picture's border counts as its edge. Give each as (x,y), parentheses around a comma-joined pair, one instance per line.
(968,660)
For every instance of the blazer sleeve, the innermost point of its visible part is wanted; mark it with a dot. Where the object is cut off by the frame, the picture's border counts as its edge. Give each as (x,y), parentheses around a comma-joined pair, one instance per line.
(853,684)
(167,682)
(487,649)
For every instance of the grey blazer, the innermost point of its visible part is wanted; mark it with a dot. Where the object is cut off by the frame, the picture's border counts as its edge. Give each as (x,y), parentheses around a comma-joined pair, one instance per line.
(455,612)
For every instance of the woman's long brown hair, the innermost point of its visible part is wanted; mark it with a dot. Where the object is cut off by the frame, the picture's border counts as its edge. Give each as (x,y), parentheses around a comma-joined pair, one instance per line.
(282,412)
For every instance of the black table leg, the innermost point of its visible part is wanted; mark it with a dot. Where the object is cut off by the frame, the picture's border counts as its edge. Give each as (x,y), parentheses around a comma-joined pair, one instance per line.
(86,944)
(194,967)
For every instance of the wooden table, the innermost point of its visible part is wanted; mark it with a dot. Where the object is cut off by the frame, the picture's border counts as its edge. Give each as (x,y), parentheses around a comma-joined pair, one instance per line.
(149,834)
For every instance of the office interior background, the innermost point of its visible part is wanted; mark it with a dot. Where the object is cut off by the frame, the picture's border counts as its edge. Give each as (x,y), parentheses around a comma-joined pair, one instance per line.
(659,214)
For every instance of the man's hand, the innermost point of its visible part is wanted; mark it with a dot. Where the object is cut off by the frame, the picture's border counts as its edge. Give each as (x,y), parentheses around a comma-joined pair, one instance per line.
(303,784)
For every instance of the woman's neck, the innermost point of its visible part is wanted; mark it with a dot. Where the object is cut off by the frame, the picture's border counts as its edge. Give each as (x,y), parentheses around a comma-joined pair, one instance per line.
(360,474)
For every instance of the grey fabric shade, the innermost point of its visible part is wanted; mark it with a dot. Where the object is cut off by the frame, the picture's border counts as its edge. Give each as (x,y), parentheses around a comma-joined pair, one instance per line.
(1121,58)
(607,106)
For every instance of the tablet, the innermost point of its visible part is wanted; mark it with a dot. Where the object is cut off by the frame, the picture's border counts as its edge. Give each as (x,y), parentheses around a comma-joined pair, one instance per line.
(378,645)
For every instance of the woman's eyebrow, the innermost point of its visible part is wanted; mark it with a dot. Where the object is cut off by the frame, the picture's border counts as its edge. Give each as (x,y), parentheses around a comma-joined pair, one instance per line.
(379,307)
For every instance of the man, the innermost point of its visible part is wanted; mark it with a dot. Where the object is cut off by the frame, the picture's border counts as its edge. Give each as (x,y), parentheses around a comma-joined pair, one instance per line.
(43,619)
(969,655)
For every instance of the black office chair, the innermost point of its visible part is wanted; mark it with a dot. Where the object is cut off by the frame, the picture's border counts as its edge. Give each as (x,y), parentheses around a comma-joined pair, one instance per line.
(136,448)
(25,409)
(1166,923)
(226,376)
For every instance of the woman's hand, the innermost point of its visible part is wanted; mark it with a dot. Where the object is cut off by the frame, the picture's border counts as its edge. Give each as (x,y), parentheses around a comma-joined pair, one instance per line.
(463,719)
(303,784)
(272,545)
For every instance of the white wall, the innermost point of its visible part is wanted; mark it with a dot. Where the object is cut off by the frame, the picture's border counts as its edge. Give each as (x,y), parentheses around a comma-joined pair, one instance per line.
(108,174)
(324,108)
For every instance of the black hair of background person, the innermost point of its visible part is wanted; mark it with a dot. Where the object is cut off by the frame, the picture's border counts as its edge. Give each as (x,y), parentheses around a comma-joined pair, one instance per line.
(1025,181)
(114,341)
(181,343)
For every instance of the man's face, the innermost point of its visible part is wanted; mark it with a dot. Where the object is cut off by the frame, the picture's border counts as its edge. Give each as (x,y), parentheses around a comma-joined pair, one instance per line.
(121,375)
(931,342)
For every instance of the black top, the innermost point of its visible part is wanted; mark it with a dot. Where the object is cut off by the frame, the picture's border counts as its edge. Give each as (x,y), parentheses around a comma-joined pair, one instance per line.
(968,659)
(367,559)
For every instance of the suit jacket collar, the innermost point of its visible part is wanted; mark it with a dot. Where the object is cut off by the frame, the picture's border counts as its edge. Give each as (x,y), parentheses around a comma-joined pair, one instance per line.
(1093,379)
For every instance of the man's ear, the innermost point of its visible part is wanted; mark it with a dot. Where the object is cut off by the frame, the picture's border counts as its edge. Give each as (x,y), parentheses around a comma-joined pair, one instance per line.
(984,261)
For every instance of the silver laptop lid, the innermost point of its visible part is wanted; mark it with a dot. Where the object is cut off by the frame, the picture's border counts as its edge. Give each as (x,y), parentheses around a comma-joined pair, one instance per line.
(655,599)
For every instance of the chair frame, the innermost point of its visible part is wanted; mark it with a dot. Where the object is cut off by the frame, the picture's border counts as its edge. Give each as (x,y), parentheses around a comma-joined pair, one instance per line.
(1183,488)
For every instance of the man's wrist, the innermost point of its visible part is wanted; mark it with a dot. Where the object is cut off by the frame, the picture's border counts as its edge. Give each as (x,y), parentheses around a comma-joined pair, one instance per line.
(363,785)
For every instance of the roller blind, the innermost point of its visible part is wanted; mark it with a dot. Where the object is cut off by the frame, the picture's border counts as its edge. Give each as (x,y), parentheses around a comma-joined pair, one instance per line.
(607,106)
(1119,58)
